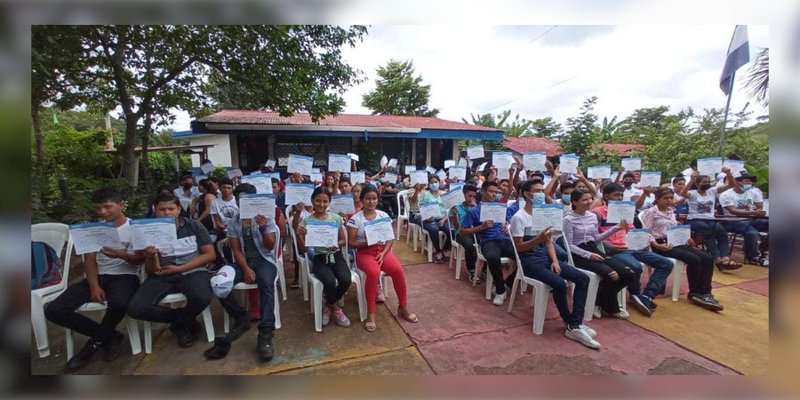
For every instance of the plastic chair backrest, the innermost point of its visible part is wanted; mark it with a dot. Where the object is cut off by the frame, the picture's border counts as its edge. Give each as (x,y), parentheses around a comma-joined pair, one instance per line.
(56,235)
(293,235)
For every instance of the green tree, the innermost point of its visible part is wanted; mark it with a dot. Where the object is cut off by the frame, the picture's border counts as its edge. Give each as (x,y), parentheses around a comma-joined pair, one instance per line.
(398,91)
(580,134)
(147,70)
(546,128)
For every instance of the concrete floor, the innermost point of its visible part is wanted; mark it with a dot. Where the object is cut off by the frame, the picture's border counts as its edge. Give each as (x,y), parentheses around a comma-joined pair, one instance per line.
(460,332)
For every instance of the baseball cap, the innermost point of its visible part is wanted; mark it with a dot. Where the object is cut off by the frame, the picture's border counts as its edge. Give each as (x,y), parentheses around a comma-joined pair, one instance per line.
(222,281)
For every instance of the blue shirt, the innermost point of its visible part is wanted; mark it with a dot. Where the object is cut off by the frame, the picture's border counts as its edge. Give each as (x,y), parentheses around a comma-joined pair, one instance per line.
(473,219)
(512,209)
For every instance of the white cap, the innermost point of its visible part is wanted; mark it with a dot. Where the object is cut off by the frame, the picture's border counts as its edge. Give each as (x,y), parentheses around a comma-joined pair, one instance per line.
(222,281)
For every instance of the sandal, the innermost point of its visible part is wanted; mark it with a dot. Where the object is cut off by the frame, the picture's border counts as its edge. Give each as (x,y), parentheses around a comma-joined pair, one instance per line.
(728,265)
(408,316)
(370,326)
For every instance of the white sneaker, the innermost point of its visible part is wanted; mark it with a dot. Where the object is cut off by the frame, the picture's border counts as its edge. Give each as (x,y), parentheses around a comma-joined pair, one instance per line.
(326,315)
(622,314)
(580,336)
(499,299)
(589,331)
(597,312)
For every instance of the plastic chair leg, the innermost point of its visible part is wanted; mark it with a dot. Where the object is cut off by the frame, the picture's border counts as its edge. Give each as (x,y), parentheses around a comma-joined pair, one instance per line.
(282,278)
(317,306)
(362,305)
(148,337)
(513,295)
(133,336)
(209,323)
(489,284)
(677,277)
(539,309)
(591,297)
(39,326)
(68,339)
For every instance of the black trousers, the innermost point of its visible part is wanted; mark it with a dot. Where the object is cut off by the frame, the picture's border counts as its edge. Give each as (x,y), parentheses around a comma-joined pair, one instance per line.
(195,286)
(119,290)
(335,277)
(699,267)
(493,250)
(608,288)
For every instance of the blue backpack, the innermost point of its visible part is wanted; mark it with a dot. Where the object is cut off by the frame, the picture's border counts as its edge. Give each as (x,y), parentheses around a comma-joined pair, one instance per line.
(46,266)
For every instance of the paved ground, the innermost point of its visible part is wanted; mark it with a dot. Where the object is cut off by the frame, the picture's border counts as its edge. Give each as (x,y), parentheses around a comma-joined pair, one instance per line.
(460,332)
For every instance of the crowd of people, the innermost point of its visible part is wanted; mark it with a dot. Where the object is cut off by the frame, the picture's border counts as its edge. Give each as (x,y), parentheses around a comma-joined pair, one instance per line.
(207,213)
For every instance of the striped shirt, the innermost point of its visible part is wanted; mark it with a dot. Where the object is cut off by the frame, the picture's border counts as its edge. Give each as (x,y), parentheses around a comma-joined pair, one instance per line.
(579,229)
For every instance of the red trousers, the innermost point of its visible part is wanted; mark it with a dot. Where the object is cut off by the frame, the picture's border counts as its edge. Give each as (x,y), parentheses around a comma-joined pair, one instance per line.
(365,259)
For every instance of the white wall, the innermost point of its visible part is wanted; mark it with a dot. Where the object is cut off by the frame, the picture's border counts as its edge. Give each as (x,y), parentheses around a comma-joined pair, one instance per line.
(220,154)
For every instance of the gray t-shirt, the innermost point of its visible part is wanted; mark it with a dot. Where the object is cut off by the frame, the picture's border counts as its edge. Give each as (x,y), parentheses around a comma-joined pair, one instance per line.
(115,266)
(191,236)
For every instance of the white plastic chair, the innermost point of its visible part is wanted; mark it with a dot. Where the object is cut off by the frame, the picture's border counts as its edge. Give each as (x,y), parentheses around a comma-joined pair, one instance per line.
(302,261)
(362,295)
(457,253)
(594,285)
(678,268)
(403,212)
(489,278)
(427,243)
(245,287)
(57,236)
(173,299)
(133,330)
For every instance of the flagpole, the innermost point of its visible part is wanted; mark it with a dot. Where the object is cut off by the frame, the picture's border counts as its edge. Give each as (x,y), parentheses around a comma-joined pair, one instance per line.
(725,118)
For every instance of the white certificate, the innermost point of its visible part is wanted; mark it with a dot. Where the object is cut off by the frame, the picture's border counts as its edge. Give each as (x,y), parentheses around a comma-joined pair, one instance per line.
(430,170)
(234,173)
(251,205)
(613,178)
(379,231)
(709,166)
(316,177)
(339,162)
(736,167)
(462,162)
(599,172)
(482,167)
(263,183)
(534,160)
(493,211)
(502,160)
(384,161)
(390,177)
(503,174)
(547,216)
(442,175)
(270,175)
(453,198)
(93,236)
(270,164)
(298,192)
(650,178)
(322,234)
(569,163)
(353,157)
(301,164)
(679,235)
(158,232)
(357,177)
(410,168)
(619,210)
(430,210)
(632,164)
(419,177)
(342,203)
(449,163)
(475,152)
(392,163)
(459,173)
(637,239)
(199,178)
(206,167)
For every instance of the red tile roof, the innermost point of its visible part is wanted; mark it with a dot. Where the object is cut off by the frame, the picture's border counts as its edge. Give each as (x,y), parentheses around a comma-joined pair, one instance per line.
(375,121)
(623,149)
(526,144)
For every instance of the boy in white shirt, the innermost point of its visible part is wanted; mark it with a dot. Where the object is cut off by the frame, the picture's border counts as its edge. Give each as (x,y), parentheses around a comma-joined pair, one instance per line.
(746,201)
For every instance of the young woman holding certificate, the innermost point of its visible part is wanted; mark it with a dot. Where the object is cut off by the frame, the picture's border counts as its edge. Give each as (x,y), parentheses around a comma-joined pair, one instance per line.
(328,264)
(376,257)
(699,264)
(433,225)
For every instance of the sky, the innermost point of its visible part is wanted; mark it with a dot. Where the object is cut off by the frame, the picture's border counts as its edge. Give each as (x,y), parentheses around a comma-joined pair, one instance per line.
(540,71)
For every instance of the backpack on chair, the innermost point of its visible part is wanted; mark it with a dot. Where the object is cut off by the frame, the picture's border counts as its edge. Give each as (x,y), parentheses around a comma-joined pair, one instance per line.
(46,266)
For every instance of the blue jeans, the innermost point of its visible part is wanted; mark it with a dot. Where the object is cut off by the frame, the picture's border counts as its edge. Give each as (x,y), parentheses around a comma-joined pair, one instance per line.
(749,229)
(266,273)
(537,267)
(715,235)
(658,279)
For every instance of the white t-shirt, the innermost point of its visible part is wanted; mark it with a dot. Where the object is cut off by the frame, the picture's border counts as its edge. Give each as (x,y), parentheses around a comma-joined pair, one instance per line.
(745,200)
(519,221)
(225,209)
(702,206)
(357,221)
(179,193)
(629,193)
(115,266)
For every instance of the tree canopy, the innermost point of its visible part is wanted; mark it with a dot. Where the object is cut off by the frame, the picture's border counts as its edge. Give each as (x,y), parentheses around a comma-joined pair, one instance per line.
(399,92)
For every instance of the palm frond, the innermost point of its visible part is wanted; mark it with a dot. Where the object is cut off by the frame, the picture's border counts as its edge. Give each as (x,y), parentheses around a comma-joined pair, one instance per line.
(758,77)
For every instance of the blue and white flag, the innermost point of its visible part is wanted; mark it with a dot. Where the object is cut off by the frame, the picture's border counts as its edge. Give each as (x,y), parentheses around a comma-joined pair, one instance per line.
(738,55)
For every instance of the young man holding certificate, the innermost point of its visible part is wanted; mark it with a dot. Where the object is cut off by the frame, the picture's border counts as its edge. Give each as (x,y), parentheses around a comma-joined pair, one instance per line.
(617,247)
(492,237)
(370,231)
(179,267)
(539,261)
(328,264)
(111,278)
(660,219)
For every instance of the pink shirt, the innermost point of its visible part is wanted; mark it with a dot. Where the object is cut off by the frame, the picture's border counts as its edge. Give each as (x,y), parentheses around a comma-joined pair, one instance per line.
(658,221)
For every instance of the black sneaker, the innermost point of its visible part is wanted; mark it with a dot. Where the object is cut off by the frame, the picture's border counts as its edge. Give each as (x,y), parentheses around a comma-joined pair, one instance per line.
(240,326)
(183,336)
(639,302)
(648,301)
(114,347)
(84,356)
(473,278)
(706,301)
(264,347)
